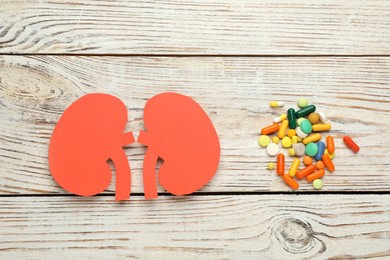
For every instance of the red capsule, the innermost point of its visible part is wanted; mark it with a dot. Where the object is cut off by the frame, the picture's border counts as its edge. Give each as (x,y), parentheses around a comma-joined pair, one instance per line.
(351,144)
(280,164)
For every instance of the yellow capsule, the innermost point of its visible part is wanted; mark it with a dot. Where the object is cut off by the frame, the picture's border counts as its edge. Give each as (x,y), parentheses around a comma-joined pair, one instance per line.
(321,127)
(276,103)
(286,142)
(275,140)
(294,167)
(311,139)
(291,152)
(283,129)
(294,139)
(291,133)
(280,118)
(331,155)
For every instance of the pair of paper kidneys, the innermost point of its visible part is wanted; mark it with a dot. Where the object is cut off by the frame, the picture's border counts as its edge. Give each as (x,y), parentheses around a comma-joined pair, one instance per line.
(91,132)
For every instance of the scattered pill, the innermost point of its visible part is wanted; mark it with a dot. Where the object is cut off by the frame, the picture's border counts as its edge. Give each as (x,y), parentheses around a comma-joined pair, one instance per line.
(275,140)
(320,165)
(294,167)
(299,149)
(291,133)
(280,164)
(300,133)
(321,127)
(276,103)
(292,120)
(305,111)
(312,138)
(272,149)
(290,182)
(317,184)
(280,118)
(311,149)
(299,121)
(351,144)
(305,171)
(307,160)
(303,102)
(330,144)
(271,166)
(270,129)
(315,175)
(314,118)
(283,129)
(328,162)
(306,126)
(264,140)
(321,150)
(286,142)
(291,152)
(331,155)
(322,116)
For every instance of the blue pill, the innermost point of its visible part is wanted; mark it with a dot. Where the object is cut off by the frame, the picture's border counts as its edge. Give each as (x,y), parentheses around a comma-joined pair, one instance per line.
(321,150)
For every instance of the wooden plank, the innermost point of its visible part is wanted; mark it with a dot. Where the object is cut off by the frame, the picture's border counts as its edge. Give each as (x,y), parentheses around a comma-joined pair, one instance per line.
(195,27)
(215,227)
(235,92)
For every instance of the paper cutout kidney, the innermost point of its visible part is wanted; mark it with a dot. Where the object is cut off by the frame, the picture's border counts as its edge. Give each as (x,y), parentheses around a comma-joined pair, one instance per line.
(89,133)
(180,133)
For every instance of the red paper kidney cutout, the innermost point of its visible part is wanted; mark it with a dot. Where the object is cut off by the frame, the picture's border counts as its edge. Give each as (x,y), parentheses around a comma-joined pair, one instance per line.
(89,133)
(179,132)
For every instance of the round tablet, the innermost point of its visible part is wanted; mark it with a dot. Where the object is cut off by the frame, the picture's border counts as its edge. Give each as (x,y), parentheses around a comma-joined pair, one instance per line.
(264,140)
(314,118)
(291,152)
(299,149)
(272,149)
(286,142)
(306,126)
(303,102)
(311,149)
(317,184)
(299,121)
(271,166)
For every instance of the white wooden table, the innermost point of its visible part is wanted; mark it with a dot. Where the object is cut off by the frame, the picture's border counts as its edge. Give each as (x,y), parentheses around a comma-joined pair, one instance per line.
(233,57)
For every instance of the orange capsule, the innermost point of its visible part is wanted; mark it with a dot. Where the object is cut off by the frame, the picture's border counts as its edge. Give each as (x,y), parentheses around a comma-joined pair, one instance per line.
(330,144)
(351,144)
(328,163)
(315,175)
(270,129)
(290,182)
(305,171)
(280,164)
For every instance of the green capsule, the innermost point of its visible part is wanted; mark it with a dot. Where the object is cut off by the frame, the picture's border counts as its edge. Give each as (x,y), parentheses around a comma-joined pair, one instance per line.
(292,120)
(305,111)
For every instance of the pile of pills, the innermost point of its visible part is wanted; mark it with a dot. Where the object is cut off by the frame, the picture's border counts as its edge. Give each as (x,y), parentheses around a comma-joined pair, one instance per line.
(301,133)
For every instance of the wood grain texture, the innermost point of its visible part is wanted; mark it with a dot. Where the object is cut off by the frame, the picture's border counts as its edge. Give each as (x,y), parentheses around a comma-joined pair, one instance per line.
(215,227)
(235,92)
(195,27)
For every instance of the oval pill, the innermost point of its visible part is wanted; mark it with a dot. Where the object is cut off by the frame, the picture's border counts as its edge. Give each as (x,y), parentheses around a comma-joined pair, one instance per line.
(292,120)
(264,140)
(294,167)
(315,175)
(290,182)
(283,129)
(306,126)
(330,144)
(328,162)
(321,150)
(305,171)
(272,149)
(276,103)
(321,127)
(270,129)
(322,116)
(280,164)
(305,111)
(312,138)
(280,118)
(311,149)
(351,144)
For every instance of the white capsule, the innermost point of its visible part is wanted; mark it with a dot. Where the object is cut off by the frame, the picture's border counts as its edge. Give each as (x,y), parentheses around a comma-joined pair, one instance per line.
(280,118)
(276,103)
(322,117)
